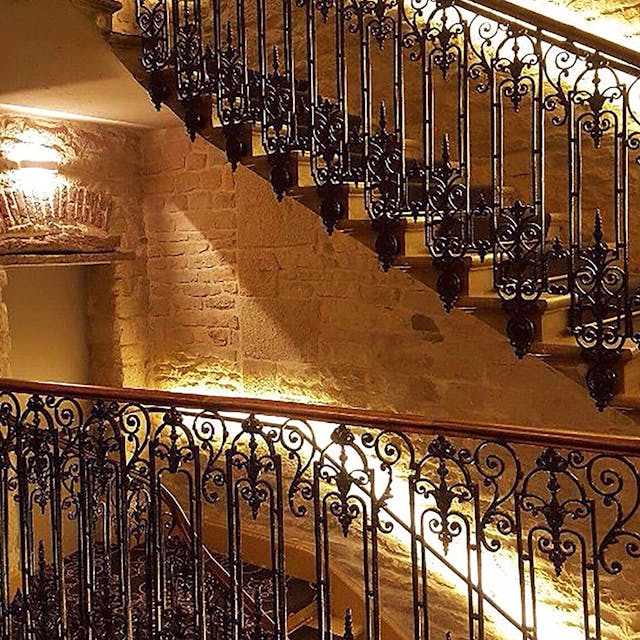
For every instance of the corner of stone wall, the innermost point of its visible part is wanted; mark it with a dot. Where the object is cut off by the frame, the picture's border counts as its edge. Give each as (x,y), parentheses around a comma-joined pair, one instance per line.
(117,293)
(5,336)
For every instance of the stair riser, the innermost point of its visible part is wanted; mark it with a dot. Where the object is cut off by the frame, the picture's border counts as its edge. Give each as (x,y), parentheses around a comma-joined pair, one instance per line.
(549,325)
(552,325)
(480,281)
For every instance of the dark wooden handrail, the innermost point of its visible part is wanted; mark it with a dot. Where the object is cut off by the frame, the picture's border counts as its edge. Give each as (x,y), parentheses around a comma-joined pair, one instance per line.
(537,436)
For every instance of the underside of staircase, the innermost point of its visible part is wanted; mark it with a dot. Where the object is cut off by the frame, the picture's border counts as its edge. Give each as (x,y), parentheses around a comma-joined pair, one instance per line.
(557,325)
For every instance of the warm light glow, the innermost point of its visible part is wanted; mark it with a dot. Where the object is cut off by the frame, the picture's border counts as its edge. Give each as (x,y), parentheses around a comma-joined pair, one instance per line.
(611,28)
(63,115)
(557,615)
(500,580)
(213,390)
(33,181)
(32,151)
(37,162)
(605,26)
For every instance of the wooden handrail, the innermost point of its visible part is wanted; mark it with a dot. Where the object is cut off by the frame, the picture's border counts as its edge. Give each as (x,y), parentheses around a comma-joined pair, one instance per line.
(623,58)
(537,436)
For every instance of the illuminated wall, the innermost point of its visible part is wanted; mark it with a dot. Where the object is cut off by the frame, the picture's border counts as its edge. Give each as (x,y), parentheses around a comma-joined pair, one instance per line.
(248,296)
(70,187)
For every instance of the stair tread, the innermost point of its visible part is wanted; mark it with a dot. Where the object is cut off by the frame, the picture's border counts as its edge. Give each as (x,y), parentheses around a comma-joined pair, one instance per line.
(545,302)
(567,344)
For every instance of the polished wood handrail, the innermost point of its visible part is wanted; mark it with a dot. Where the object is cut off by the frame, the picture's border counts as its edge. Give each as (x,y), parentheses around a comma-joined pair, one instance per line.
(538,436)
(623,58)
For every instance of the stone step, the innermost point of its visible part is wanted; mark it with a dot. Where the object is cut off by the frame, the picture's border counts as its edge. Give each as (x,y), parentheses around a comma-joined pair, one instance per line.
(565,355)
(550,317)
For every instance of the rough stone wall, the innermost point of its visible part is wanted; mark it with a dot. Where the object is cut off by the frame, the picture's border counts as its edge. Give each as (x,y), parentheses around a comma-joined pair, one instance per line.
(117,292)
(248,296)
(106,160)
(5,337)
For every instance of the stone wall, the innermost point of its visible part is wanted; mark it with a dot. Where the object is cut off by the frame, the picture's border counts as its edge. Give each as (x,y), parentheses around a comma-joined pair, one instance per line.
(106,161)
(248,296)
(5,336)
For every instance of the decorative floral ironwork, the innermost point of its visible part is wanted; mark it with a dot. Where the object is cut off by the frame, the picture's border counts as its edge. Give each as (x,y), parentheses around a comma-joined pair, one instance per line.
(599,301)
(520,271)
(383,188)
(447,225)
(153,22)
(231,97)
(277,126)
(189,62)
(141,477)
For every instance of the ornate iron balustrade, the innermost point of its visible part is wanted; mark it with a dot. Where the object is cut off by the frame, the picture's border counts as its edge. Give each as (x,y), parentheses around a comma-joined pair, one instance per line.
(435,106)
(136,514)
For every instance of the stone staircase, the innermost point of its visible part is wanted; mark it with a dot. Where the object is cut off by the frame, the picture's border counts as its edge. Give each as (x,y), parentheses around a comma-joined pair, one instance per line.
(543,332)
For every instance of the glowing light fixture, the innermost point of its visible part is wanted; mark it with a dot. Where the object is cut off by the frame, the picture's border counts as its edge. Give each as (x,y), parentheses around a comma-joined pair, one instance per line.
(40,206)
(36,164)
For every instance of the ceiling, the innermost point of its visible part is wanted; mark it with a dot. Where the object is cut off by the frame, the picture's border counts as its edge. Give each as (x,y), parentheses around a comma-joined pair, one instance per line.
(52,58)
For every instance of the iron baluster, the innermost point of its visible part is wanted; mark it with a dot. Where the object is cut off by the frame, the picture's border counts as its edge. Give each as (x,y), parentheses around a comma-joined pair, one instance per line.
(599,294)
(560,514)
(449,225)
(232,98)
(278,93)
(153,21)
(233,548)
(519,256)
(329,133)
(321,541)
(383,141)
(189,61)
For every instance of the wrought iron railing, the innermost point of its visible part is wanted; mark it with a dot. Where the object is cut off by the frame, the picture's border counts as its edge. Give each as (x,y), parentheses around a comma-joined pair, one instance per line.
(137,514)
(437,108)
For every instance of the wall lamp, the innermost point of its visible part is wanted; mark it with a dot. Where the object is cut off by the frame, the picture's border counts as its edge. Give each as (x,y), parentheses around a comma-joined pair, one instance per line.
(32,165)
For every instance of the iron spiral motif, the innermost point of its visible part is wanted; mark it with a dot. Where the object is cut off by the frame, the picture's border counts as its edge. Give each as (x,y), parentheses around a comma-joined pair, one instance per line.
(114,504)
(383,194)
(598,312)
(511,99)
(447,226)
(189,60)
(520,279)
(277,127)
(231,82)
(153,22)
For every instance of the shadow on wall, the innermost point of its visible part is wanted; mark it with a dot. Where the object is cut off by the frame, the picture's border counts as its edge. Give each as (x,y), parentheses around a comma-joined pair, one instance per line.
(249,296)
(48,323)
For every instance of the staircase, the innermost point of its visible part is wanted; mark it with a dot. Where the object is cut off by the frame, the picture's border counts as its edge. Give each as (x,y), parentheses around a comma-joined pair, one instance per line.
(315,97)
(129,513)
(114,585)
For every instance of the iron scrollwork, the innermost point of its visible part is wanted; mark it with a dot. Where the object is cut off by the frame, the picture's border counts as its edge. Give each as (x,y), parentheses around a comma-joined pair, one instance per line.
(94,471)
(154,27)
(520,277)
(447,226)
(598,312)
(474,74)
